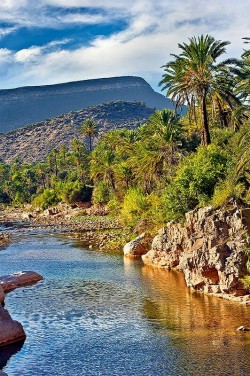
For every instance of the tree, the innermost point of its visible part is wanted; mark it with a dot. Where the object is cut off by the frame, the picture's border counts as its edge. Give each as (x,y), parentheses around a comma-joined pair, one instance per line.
(89,128)
(193,77)
(243,86)
(157,150)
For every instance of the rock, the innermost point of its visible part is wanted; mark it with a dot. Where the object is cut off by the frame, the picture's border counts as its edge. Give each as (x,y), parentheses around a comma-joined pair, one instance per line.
(3,373)
(27,216)
(1,295)
(11,331)
(4,239)
(137,247)
(243,329)
(209,248)
(10,282)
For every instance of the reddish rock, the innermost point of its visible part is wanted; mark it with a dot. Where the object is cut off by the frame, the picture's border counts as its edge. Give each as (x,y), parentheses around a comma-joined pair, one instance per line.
(1,295)
(11,331)
(10,282)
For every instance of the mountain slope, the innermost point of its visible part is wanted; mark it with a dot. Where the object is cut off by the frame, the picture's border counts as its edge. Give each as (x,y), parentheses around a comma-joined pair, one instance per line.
(28,105)
(32,143)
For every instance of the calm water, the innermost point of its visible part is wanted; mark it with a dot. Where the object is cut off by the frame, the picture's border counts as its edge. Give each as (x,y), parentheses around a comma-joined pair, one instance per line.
(98,314)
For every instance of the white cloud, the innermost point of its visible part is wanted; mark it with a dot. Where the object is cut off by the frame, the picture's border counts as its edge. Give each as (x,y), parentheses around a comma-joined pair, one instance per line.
(6,30)
(77,18)
(153,32)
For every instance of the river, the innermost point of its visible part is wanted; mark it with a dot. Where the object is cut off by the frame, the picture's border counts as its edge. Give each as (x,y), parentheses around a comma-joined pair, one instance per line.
(98,314)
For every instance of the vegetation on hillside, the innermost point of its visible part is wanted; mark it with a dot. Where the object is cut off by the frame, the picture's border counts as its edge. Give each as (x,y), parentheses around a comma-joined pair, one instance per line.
(169,165)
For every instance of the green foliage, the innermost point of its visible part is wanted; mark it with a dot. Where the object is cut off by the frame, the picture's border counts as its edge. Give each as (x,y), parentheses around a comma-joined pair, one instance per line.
(194,78)
(73,191)
(195,180)
(46,199)
(101,193)
(159,171)
(134,206)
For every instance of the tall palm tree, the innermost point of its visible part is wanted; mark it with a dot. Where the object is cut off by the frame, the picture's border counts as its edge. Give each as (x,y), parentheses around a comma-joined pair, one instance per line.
(193,76)
(89,128)
(243,86)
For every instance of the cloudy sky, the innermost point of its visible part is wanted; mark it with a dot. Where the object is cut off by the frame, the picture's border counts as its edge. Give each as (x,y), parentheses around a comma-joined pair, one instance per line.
(52,41)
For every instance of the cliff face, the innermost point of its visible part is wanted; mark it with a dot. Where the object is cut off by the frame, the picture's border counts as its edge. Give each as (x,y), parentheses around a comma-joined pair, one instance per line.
(209,248)
(27,105)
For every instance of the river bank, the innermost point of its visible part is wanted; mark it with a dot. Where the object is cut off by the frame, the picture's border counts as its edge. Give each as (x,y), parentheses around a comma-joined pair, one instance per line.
(210,248)
(93,227)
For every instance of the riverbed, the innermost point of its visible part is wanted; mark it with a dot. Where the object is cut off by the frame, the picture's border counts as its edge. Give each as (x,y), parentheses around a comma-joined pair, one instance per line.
(98,314)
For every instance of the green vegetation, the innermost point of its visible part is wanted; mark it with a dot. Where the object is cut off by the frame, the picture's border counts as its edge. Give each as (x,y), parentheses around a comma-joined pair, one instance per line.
(166,167)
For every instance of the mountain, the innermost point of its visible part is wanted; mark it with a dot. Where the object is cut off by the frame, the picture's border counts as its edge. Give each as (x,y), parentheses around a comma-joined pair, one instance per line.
(32,143)
(32,104)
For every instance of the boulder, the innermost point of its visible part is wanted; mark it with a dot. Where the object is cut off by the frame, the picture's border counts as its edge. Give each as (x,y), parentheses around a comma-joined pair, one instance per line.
(209,248)
(137,247)
(1,295)
(4,239)
(19,279)
(11,331)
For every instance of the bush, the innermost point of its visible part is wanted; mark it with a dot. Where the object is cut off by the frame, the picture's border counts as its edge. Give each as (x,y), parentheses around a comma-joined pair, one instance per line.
(195,181)
(134,206)
(73,191)
(45,199)
(102,193)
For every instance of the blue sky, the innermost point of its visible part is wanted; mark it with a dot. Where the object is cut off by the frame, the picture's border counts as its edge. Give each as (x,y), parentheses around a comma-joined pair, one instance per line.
(51,41)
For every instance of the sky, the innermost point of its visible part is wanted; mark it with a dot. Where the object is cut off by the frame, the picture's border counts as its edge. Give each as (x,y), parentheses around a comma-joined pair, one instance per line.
(51,41)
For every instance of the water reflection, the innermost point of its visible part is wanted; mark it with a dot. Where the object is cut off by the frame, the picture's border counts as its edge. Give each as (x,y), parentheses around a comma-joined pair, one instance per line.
(7,352)
(94,314)
(204,327)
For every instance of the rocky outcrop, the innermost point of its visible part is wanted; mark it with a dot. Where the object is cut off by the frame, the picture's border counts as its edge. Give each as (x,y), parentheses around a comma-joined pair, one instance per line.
(11,331)
(19,279)
(137,247)
(209,248)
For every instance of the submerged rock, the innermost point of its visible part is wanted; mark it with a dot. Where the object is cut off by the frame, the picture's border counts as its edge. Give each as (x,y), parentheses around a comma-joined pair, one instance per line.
(209,248)
(11,330)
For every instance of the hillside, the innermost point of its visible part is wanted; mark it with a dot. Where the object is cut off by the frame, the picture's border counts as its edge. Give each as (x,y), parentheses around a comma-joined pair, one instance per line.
(32,143)
(27,105)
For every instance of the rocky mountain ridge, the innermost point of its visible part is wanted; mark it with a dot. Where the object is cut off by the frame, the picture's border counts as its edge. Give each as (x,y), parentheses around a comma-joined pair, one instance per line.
(27,105)
(32,143)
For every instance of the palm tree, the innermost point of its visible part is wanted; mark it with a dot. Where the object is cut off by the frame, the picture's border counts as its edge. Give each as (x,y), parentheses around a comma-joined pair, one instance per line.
(243,86)
(193,76)
(89,128)
(156,151)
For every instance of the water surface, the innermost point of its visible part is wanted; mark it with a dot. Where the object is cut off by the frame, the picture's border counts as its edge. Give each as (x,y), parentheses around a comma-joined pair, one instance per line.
(99,314)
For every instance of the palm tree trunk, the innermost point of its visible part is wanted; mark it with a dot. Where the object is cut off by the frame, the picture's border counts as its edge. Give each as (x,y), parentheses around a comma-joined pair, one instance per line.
(205,126)
(90,143)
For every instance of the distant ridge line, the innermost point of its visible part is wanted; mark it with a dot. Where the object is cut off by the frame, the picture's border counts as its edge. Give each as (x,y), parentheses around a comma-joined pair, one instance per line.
(32,104)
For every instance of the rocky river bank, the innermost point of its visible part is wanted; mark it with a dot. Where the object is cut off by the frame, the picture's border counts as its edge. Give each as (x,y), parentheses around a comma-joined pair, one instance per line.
(210,248)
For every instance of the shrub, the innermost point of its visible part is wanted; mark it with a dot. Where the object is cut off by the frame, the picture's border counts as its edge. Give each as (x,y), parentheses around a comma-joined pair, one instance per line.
(134,206)
(195,181)
(102,193)
(46,199)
